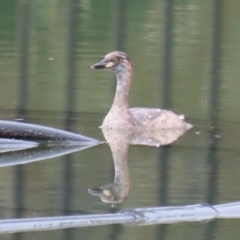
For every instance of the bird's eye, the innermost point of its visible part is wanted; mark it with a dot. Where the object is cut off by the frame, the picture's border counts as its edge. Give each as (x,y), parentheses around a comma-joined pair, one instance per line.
(114,60)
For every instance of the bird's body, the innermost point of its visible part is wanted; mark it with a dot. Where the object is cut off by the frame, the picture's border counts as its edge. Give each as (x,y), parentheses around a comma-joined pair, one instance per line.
(120,116)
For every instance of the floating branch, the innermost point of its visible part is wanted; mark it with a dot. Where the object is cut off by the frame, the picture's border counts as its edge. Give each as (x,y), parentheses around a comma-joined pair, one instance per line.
(128,217)
(36,133)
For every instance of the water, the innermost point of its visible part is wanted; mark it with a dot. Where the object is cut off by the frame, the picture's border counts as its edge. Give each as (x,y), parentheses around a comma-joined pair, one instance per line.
(185,58)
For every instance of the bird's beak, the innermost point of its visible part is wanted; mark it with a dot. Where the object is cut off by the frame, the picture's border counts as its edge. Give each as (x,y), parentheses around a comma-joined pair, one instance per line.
(95,191)
(99,191)
(102,65)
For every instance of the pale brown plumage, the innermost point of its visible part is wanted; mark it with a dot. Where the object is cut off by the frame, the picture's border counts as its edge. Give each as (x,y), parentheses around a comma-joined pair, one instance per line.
(120,116)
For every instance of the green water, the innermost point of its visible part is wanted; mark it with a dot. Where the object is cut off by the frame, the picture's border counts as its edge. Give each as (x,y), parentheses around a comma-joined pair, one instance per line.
(185,55)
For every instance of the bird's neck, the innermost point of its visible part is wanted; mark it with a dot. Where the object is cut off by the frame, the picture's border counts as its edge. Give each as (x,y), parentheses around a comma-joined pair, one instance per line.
(120,101)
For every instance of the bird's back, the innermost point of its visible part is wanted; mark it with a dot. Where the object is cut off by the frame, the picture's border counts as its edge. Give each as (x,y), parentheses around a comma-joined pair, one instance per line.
(153,118)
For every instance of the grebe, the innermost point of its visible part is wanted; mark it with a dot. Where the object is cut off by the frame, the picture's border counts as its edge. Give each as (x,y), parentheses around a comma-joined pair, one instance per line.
(120,116)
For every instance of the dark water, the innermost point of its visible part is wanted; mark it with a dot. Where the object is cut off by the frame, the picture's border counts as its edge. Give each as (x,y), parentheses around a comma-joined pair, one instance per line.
(186,58)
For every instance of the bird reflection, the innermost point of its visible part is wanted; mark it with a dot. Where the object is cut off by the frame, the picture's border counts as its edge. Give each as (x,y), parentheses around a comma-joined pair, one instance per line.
(119,141)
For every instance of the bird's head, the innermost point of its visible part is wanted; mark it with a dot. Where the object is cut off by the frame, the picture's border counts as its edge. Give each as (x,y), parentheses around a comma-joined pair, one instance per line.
(116,62)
